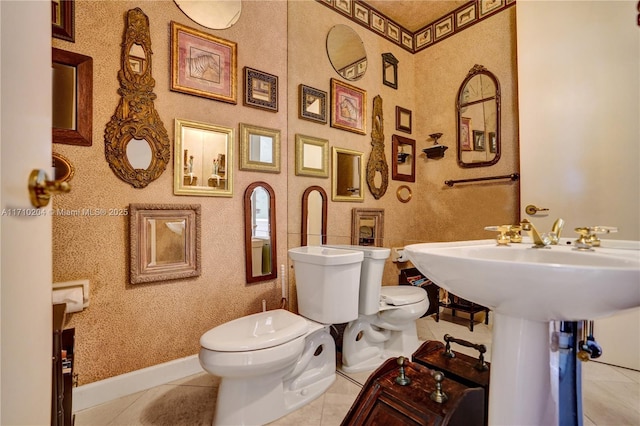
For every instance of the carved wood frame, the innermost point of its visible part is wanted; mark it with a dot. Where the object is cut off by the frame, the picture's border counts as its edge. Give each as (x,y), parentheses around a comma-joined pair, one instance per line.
(136,116)
(377,161)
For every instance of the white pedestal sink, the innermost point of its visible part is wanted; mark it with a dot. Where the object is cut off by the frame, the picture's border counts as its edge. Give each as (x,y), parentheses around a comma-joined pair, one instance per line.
(526,288)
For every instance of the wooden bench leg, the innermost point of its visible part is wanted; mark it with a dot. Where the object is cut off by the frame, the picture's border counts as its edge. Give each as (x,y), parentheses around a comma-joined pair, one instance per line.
(471,321)
(486,317)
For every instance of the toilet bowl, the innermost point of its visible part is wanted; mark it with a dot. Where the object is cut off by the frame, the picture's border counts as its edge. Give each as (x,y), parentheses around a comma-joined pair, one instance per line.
(386,323)
(274,362)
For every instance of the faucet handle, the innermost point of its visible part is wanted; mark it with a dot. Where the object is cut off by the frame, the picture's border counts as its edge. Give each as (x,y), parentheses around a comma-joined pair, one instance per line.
(589,236)
(508,233)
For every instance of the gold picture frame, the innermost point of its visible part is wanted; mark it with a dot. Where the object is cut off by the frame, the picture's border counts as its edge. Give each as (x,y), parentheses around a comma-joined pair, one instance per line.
(259,148)
(312,156)
(348,107)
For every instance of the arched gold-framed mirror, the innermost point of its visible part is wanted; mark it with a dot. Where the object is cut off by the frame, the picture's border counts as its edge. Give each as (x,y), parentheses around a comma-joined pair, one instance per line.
(260,232)
(478,112)
(314,216)
(346,52)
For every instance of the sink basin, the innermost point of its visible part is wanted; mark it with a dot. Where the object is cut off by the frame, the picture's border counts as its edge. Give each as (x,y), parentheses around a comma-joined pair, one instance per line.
(527,288)
(557,283)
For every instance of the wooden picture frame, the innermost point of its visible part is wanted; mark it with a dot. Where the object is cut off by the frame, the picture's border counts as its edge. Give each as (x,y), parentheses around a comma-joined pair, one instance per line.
(348,107)
(478,140)
(72,98)
(63,20)
(367,227)
(312,104)
(403,164)
(259,148)
(164,242)
(312,156)
(260,89)
(202,64)
(403,120)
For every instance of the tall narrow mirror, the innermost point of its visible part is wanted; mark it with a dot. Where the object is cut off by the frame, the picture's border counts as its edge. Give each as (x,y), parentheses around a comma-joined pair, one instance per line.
(202,159)
(347,175)
(314,216)
(478,109)
(260,232)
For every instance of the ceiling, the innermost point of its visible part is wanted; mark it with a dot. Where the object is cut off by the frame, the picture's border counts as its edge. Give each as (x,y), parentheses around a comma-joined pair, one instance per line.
(415,14)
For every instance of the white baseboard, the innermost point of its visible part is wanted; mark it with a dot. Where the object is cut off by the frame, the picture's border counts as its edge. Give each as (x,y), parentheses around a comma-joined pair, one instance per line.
(96,393)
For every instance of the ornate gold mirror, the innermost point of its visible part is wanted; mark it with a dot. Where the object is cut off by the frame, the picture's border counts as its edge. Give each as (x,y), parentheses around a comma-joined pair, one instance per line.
(137,145)
(367,227)
(346,52)
(202,159)
(347,175)
(377,168)
(314,216)
(478,109)
(260,232)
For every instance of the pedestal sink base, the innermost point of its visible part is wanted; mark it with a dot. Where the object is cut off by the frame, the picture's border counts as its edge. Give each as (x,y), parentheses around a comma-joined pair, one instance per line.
(521,390)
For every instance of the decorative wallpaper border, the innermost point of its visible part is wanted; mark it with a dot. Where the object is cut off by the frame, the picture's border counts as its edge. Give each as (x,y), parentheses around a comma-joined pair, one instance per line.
(459,20)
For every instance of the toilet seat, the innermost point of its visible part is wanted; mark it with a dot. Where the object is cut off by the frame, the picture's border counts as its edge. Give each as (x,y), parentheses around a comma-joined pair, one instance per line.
(253,332)
(400,295)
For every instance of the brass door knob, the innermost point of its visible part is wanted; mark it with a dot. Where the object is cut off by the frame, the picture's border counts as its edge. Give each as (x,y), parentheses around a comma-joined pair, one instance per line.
(41,188)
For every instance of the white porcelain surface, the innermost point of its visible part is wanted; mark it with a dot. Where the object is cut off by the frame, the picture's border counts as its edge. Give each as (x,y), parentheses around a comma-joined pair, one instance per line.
(556,283)
(257,331)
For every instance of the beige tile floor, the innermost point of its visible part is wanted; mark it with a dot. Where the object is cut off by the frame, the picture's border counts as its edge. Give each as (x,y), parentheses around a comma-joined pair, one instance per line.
(611,395)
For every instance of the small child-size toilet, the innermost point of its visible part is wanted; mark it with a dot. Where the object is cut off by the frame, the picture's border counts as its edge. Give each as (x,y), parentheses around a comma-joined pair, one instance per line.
(386,324)
(274,362)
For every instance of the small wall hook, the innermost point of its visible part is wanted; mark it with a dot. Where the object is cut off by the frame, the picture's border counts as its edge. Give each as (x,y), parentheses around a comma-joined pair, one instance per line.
(41,188)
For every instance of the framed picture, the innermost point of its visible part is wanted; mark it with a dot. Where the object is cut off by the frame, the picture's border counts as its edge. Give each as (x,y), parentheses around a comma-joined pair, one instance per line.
(312,156)
(493,145)
(312,104)
(478,140)
(465,134)
(389,70)
(164,242)
(63,19)
(203,65)
(348,107)
(259,148)
(72,93)
(403,164)
(403,119)
(260,89)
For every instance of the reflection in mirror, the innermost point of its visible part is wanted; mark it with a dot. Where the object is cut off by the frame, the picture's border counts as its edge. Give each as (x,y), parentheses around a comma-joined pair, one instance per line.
(137,59)
(367,227)
(260,232)
(403,164)
(64,96)
(213,14)
(478,109)
(312,156)
(259,148)
(166,240)
(202,167)
(347,175)
(314,216)
(346,52)
(139,153)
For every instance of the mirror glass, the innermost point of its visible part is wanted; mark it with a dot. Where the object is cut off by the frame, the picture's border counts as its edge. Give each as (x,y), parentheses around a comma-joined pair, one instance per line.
(314,216)
(203,152)
(213,14)
(166,240)
(367,227)
(478,109)
(346,52)
(260,231)
(312,156)
(139,153)
(137,59)
(64,96)
(347,175)
(259,148)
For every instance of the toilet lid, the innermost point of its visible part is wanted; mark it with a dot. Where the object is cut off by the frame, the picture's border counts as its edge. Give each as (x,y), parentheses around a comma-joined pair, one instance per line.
(253,332)
(399,295)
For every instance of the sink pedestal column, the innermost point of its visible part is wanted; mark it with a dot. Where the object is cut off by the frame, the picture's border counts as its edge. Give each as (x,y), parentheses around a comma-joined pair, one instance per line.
(521,391)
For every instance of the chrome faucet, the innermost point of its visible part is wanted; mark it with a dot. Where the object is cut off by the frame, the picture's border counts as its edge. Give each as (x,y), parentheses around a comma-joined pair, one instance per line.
(544,239)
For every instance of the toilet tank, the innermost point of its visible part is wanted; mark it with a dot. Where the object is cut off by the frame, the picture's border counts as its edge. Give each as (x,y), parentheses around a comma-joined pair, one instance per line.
(370,276)
(327,283)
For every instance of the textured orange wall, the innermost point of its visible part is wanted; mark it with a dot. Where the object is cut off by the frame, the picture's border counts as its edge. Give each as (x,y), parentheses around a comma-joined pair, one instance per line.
(128,327)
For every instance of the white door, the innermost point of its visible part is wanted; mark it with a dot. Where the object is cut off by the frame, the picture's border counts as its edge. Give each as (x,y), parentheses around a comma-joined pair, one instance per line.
(579,113)
(25,251)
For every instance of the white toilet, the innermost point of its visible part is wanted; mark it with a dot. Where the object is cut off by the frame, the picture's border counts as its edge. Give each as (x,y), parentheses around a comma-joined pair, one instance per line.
(274,362)
(386,324)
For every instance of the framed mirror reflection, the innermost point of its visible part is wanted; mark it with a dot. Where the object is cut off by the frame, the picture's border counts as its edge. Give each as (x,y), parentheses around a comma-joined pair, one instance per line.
(260,232)
(312,156)
(259,148)
(202,159)
(314,216)
(347,175)
(164,242)
(367,227)
(478,112)
(403,155)
(346,52)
